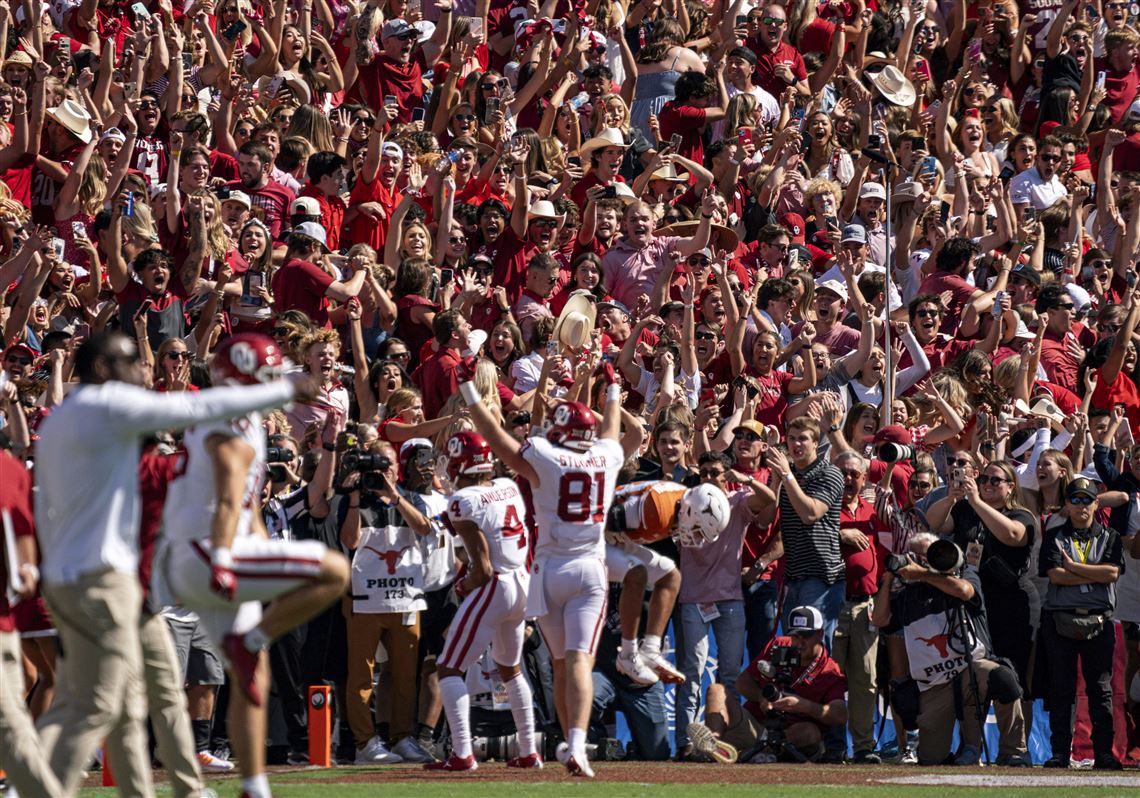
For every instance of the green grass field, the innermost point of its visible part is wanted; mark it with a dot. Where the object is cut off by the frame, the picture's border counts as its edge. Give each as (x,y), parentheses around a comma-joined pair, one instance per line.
(664,781)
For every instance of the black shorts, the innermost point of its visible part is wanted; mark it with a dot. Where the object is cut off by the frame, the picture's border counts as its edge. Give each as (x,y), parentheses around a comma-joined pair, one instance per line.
(441,607)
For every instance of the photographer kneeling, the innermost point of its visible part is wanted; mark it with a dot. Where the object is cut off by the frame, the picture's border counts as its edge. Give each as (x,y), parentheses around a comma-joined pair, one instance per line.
(940,609)
(794,693)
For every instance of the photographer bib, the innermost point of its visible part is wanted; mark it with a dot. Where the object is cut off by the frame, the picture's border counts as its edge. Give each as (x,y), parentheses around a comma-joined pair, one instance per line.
(936,655)
(388,571)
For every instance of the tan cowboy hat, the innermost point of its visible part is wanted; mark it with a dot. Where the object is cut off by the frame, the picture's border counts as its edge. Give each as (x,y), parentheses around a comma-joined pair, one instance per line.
(575,324)
(544,209)
(722,237)
(894,86)
(1047,408)
(610,137)
(74,117)
(482,150)
(669,172)
(906,191)
(625,193)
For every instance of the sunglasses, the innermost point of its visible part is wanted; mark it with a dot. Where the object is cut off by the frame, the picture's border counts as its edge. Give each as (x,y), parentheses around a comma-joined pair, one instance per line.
(781,247)
(1099,264)
(464,117)
(1049,158)
(20,360)
(745,435)
(148,104)
(544,222)
(1082,500)
(399,355)
(705,336)
(961,462)
(928,313)
(177,355)
(362,120)
(457,239)
(1064,306)
(775,21)
(710,474)
(921,485)
(991,480)
(697,260)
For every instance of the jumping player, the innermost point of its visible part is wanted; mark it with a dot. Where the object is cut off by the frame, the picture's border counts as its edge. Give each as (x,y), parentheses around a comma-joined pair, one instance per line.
(642,513)
(490,516)
(572,471)
(226,576)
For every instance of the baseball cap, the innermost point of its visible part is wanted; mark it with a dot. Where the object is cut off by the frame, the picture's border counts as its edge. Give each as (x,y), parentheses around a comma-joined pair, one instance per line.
(745,54)
(873,191)
(391,147)
(21,347)
(239,197)
(893,433)
(1133,111)
(805,621)
(113,134)
(752,426)
(605,304)
(1081,487)
(794,223)
(303,205)
(314,231)
(854,232)
(475,339)
(399,27)
(1027,273)
(835,287)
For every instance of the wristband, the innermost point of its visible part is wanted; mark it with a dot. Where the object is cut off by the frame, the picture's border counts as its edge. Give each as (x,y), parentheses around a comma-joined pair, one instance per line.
(706,216)
(32,570)
(613,392)
(470,393)
(222,557)
(176,154)
(329,447)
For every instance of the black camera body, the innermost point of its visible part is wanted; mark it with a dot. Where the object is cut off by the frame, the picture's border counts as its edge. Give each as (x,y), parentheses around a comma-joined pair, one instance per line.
(782,660)
(369,465)
(278,454)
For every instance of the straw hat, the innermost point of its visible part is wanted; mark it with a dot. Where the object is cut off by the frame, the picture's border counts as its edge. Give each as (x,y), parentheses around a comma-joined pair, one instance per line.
(544,209)
(721,236)
(894,86)
(74,117)
(576,322)
(669,172)
(610,137)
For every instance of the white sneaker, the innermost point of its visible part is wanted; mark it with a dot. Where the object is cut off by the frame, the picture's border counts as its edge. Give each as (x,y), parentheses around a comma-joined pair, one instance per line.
(662,667)
(636,669)
(376,753)
(211,764)
(410,750)
(577,766)
(707,743)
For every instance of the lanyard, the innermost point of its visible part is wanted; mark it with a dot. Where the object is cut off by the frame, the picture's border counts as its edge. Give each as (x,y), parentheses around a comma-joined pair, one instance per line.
(1082,552)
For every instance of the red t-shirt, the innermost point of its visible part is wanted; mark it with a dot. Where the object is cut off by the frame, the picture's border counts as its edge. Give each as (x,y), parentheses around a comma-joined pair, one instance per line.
(821,681)
(156,471)
(18,178)
(772,401)
(862,567)
(765,76)
(223,166)
(511,257)
(956,284)
(437,380)
(578,193)
(274,200)
(16,498)
(332,213)
(45,190)
(1122,391)
(384,76)
(363,229)
(687,120)
(1120,88)
(300,285)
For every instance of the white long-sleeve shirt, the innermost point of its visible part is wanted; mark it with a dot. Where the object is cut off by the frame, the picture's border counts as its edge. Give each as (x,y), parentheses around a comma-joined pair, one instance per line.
(87,481)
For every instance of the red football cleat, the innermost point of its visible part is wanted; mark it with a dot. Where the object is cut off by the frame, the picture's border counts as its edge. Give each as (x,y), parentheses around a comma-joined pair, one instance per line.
(454,763)
(530,761)
(243,663)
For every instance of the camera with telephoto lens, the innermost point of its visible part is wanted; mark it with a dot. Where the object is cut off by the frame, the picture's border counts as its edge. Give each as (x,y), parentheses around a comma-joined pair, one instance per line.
(369,465)
(778,667)
(894,452)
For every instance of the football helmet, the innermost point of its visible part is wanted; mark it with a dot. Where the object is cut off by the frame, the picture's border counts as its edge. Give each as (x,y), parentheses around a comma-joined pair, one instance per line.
(703,515)
(468,453)
(247,359)
(572,425)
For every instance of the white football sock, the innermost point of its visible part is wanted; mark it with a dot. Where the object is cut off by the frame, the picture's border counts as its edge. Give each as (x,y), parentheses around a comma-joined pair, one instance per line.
(457,705)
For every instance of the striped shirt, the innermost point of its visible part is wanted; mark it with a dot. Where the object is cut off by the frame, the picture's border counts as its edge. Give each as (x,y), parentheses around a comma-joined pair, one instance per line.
(811,551)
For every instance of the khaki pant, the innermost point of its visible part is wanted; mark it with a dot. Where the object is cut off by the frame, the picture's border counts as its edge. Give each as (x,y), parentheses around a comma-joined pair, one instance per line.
(856,649)
(936,718)
(100,684)
(365,632)
(21,754)
(166,702)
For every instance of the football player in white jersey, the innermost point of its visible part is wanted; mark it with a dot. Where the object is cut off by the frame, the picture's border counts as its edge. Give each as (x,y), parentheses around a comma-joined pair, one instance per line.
(642,513)
(573,472)
(490,517)
(217,490)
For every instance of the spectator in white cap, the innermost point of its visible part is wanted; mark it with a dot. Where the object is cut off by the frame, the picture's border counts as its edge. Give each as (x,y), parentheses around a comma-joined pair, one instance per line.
(236,206)
(111,144)
(866,205)
(374,194)
(830,310)
(851,263)
(300,284)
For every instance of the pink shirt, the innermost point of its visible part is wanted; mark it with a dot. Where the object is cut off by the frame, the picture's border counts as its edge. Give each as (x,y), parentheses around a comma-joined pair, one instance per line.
(712,572)
(631,272)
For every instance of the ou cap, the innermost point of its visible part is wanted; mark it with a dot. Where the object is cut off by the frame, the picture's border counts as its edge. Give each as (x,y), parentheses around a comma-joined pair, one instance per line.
(805,621)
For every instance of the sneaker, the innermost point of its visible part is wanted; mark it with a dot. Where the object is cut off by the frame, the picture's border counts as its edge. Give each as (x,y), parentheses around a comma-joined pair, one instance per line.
(909,756)
(211,764)
(1014,761)
(763,758)
(222,751)
(574,765)
(866,758)
(707,743)
(528,762)
(298,759)
(453,762)
(1107,762)
(243,664)
(969,755)
(636,669)
(1057,763)
(663,668)
(376,753)
(410,750)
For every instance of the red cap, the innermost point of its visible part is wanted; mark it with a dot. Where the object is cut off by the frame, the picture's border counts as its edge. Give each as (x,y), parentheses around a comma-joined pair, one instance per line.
(795,226)
(1048,127)
(705,293)
(17,346)
(893,433)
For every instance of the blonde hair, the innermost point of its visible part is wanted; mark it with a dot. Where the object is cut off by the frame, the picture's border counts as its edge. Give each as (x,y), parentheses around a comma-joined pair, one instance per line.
(310,124)
(217,238)
(487,383)
(141,223)
(93,186)
(400,400)
(323,335)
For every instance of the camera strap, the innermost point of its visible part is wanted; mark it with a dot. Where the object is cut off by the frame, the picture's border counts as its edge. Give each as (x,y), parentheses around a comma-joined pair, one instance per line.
(810,672)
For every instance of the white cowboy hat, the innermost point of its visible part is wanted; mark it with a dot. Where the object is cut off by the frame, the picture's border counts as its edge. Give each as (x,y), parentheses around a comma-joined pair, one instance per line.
(610,137)
(669,172)
(624,193)
(74,117)
(894,86)
(544,209)
(576,322)
(722,237)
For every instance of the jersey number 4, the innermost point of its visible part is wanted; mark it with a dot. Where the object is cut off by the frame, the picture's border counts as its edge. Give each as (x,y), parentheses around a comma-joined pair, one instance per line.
(513,527)
(574,497)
